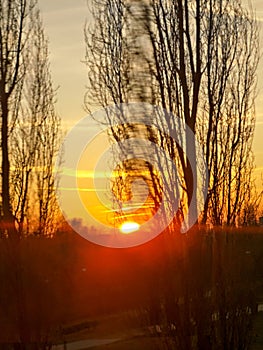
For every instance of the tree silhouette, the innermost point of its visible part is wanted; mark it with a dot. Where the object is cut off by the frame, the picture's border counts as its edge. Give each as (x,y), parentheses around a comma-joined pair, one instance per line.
(197,60)
(29,143)
(30,126)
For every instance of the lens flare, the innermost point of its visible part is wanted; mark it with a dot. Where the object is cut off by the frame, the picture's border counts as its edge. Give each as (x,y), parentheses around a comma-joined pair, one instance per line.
(130,185)
(129,227)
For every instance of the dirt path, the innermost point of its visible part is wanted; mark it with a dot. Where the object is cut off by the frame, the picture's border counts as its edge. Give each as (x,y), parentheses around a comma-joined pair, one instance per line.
(84,344)
(139,343)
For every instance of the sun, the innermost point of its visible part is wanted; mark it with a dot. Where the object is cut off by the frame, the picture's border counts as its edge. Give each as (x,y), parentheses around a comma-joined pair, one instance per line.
(129,227)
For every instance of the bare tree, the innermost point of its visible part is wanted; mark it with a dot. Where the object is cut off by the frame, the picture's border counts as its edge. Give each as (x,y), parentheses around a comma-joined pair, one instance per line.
(13,67)
(228,118)
(38,141)
(197,60)
(29,122)
(108,60)
(29,131)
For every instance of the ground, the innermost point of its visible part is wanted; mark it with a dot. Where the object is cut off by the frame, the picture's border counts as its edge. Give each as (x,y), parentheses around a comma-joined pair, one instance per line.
(257,343)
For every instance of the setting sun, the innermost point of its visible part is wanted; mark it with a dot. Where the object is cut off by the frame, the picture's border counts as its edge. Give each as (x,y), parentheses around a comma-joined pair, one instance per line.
(129,227)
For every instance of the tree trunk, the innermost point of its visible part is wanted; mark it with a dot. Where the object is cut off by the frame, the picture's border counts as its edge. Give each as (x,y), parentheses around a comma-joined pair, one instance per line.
(8,223)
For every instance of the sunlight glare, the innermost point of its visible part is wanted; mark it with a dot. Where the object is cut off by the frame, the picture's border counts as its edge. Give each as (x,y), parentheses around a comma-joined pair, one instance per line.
(129,227)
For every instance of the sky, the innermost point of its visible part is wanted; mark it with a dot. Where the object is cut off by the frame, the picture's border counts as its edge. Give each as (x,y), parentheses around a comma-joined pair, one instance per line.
(258,141)
(64,22)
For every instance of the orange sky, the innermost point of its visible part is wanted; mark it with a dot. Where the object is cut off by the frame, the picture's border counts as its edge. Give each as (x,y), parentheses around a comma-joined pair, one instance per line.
(64,21)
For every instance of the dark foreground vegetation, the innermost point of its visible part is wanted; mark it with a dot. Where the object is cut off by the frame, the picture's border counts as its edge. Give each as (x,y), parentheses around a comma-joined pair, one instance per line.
(195,291)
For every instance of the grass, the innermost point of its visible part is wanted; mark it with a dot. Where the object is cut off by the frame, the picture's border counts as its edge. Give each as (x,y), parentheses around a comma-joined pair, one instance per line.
(257,343)
(145,343)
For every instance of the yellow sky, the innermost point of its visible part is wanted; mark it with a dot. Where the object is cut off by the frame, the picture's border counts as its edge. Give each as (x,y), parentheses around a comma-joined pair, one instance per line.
(64,21)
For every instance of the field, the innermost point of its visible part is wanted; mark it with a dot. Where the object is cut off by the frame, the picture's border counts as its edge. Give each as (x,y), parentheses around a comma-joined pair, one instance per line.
(176,292)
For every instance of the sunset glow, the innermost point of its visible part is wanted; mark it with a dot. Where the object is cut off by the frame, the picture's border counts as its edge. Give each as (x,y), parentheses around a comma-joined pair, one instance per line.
(129,227)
